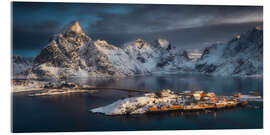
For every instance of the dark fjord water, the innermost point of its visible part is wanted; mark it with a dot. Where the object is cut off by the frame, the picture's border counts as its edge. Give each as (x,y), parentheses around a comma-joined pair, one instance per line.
(70,112)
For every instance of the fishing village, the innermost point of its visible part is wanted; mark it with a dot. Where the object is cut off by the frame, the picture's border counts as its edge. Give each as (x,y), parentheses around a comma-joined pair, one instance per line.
(148,101)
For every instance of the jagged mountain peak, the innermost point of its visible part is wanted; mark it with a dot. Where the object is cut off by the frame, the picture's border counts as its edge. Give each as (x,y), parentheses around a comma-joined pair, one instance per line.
(251,35)
(139,44)
(242,55)
(140,40)
(102,42)
(20,64)
(19,59)
(73,27)
(64,47)
(72,54)
(103,45)
(163,43)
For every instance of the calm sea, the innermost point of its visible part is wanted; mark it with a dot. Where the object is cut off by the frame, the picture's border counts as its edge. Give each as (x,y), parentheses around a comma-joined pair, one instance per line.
(70,112)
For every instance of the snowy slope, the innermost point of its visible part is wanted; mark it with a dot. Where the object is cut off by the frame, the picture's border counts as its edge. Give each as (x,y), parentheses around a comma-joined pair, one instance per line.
(157,56)
(242,56)
(143,53)
(20,64)
(175,60)
(111,59)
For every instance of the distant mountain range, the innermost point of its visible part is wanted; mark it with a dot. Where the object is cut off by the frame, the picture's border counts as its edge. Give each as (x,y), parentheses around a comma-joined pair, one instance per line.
(21,64)
(72,53)
(241,56)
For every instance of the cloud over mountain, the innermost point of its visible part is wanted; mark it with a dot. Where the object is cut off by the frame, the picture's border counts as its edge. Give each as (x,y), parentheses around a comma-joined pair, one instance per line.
(33,23)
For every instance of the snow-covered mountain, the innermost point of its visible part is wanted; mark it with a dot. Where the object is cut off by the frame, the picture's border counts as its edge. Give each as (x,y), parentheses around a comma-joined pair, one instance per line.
(175,59)
(72,53)
(20,64)
(142,52)
(158,56)
(242,56)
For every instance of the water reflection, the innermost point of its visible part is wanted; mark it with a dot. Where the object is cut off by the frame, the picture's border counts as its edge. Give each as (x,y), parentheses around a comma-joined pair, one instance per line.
(70,112)
(175,114)
(220,85)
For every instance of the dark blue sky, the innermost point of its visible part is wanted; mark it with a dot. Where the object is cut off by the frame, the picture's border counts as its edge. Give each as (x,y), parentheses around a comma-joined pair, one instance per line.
(186,26)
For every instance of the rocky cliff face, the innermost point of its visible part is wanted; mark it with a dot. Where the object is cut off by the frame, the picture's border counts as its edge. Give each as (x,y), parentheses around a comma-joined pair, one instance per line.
(242,56)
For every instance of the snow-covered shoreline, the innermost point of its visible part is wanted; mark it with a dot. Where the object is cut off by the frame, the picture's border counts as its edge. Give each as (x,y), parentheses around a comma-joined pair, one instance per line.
(26,85)
(169,100)
(134,105)
(25,89)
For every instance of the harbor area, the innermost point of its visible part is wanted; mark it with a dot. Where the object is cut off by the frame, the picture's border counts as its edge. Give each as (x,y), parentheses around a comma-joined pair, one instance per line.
(167,100)
(141,101)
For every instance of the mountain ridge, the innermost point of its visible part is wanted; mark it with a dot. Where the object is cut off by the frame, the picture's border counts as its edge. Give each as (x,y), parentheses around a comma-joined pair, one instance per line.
(72,53)
(241,56)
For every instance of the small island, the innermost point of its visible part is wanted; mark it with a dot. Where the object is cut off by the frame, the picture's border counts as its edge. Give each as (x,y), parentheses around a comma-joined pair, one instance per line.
(167,100)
